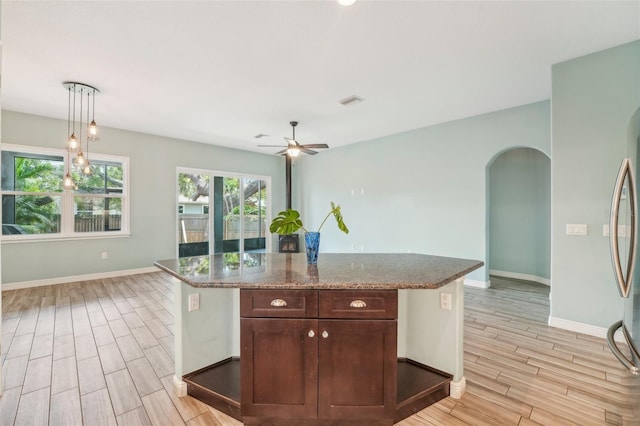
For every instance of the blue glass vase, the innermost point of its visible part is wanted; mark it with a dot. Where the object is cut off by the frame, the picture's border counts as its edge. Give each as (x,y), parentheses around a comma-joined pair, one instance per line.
(312,242)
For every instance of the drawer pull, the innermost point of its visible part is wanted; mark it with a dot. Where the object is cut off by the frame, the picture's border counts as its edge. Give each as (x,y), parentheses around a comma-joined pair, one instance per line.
(358,304)
(278,303)
(325,334)
(311,333)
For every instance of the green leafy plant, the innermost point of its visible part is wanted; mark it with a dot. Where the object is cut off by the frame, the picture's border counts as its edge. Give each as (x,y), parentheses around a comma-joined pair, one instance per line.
(288,221)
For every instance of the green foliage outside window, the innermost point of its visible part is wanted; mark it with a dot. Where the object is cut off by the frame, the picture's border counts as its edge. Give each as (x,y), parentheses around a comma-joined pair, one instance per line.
(37,214)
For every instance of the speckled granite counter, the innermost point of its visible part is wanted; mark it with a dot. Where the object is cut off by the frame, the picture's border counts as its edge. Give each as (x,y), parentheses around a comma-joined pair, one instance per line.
(334,271)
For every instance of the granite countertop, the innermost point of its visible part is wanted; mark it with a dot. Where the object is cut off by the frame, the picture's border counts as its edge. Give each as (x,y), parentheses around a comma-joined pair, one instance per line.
(333,271)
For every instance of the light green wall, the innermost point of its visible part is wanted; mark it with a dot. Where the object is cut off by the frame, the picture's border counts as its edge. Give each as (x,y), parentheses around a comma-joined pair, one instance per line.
(520,213)
(431,335)
(153,162)
(210,334)
(424,190)
(593,101)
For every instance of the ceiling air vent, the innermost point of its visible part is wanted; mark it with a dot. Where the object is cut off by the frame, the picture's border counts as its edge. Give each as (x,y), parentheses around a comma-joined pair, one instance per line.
(260,135)
(351,100)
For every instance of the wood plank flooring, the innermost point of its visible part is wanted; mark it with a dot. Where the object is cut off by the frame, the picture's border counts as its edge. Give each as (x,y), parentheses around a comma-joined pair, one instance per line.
(101,353)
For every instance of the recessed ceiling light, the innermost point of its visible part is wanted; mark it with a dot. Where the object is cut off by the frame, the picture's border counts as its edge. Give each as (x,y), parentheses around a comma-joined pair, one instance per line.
(346,2)
(353,99)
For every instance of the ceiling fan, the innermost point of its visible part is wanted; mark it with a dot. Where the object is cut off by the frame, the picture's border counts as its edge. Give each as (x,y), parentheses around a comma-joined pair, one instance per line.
(293,148)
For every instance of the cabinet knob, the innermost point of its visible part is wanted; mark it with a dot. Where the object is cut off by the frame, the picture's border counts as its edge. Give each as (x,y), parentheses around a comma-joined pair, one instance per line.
(325,334)
(358,304)
(278,303)
(311,333)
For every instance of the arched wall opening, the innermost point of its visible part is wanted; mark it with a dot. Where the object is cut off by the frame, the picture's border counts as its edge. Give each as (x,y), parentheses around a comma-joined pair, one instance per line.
(519,215)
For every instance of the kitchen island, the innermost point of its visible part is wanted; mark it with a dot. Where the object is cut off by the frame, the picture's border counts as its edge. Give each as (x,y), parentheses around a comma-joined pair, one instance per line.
(359,339)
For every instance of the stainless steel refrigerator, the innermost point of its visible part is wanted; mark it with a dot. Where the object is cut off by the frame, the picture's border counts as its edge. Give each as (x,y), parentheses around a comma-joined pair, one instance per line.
(623,233)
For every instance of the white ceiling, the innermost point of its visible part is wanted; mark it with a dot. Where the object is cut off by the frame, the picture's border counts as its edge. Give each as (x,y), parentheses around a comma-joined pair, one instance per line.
(221,72)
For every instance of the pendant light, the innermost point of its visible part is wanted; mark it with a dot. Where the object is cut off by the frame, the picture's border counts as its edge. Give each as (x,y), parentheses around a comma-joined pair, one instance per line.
(67,182)
(79,160)
(74,143)
(93,128)
(87,166)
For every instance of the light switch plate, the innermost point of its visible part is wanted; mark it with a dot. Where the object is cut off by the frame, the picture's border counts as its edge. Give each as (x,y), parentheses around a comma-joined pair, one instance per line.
(576,229)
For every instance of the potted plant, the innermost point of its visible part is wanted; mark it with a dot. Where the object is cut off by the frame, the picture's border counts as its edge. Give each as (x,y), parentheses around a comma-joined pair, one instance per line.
(288,222)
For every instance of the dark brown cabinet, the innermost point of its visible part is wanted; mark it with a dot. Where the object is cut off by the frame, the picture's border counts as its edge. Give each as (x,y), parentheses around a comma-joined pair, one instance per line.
(279,362)
(331,364)
(357,369)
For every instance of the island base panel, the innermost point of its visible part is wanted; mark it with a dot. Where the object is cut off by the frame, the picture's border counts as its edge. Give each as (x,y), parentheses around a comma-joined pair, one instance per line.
(418,387)
(219,386)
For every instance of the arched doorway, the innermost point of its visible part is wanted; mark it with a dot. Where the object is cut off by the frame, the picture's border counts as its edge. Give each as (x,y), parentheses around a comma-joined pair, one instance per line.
(519,215)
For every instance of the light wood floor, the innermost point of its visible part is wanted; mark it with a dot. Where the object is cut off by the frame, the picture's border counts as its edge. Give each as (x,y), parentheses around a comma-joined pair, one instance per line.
(101,352)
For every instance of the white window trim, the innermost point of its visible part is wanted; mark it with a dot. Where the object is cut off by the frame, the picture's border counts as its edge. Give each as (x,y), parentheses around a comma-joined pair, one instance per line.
(68,203)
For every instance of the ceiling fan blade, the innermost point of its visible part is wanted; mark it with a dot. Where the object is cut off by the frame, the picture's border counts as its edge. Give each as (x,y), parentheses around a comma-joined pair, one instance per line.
(271,146)
(307,151)
(284,151)
(315,145)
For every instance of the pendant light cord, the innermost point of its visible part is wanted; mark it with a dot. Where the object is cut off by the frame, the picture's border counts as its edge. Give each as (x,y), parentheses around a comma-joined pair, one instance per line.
(80,134)
(69,112)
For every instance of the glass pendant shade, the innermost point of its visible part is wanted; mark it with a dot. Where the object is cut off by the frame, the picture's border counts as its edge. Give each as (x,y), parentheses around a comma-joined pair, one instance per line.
(80,161)
(93,129)
(87,168)
(72,143)
(68,181)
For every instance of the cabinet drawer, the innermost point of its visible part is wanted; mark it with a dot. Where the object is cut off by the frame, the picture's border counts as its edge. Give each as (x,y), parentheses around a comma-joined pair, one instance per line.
(279,303)
(371,304)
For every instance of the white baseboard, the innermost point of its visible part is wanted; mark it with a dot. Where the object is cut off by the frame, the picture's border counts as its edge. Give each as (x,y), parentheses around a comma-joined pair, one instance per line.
(519,276)
(477,284)
(457,389)
(179,387)
(583,328)
(61,280)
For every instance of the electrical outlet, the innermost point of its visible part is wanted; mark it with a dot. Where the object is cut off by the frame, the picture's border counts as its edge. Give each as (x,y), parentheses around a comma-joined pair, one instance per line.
(445,301)
(194,302)
(105,255)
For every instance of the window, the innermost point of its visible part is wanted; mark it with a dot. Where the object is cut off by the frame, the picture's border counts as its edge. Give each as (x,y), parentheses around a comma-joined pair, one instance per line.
(35,205)
(223,212)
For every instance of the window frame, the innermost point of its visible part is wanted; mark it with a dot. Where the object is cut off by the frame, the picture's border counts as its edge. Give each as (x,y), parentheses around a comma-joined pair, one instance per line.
(67,206)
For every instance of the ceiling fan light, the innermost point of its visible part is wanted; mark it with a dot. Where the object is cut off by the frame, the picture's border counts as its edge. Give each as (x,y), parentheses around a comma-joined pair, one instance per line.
(293,151)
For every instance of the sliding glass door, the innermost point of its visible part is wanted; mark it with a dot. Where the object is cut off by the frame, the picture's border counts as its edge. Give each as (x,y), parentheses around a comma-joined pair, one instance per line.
(221,213)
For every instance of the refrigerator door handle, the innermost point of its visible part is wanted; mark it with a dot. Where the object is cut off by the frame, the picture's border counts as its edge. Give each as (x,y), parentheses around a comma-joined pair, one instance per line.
(617,352)
(624,280)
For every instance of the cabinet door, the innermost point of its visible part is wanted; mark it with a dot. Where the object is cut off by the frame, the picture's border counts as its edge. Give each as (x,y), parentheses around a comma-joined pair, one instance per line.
(357,369)
(279,367)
